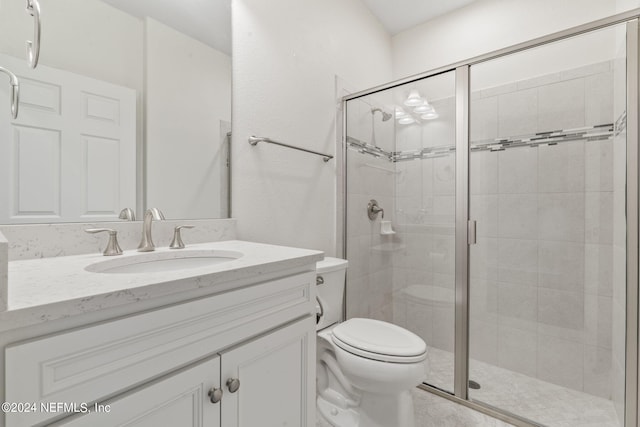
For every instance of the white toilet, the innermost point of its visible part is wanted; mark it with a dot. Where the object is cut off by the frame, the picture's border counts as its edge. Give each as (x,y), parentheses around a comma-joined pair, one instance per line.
(366,368)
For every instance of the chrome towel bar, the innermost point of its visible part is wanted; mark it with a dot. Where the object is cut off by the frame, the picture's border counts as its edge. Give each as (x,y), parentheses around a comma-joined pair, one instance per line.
(253,140)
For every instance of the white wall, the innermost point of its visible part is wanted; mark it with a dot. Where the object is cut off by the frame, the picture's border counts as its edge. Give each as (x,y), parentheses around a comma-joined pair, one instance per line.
(183,149)
(488,25)
(286,54)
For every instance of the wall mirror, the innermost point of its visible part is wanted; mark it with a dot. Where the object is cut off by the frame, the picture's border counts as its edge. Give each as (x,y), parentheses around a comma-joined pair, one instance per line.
(129,107)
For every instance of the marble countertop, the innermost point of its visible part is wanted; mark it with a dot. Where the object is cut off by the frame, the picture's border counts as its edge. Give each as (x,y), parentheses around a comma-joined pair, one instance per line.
(46,289)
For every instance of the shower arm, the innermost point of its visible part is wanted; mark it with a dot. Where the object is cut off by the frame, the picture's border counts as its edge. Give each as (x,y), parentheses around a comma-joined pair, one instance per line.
(15,91)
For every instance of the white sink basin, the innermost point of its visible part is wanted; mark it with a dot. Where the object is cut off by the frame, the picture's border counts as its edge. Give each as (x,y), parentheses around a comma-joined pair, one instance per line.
(157,262)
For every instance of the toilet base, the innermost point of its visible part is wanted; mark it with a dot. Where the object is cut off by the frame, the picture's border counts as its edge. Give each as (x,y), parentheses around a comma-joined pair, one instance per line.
(385,411)
(335,415)
(374,411)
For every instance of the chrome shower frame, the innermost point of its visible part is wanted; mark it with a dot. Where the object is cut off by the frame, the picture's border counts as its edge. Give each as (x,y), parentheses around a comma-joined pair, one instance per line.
(461,374)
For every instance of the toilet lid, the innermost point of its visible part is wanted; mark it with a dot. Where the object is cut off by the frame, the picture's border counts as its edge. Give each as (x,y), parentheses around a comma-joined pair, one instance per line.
(379,340)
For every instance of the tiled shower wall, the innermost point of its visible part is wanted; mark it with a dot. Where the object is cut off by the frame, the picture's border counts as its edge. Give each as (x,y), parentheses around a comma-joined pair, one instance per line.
(542,272)
(369,282)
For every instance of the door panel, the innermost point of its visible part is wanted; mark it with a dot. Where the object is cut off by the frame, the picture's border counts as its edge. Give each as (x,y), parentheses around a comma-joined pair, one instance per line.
(71,153)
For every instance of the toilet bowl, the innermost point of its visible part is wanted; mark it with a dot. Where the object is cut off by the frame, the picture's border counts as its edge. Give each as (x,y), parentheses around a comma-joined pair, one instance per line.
(366,368)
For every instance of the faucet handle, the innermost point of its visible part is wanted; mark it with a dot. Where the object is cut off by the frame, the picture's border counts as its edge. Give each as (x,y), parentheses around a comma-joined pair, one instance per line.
(177,242)
(373,210)
(113,248)
(127,214)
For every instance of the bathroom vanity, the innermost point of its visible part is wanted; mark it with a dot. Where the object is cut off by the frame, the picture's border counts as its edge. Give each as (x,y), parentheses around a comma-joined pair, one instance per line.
(230,344)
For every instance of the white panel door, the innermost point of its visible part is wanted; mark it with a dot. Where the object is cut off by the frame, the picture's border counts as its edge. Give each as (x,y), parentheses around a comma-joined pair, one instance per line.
(179,400)
(277,379)
(71,153)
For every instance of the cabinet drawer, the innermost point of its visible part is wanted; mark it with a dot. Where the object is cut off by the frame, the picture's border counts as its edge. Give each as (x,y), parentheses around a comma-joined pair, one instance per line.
(92,363)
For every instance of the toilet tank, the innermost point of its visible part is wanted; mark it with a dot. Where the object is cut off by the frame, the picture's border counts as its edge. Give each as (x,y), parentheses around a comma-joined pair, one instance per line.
(330,290)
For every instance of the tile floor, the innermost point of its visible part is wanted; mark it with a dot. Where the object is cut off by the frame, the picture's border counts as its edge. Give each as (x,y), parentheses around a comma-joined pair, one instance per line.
(545,403)
(434,411)
(542,402)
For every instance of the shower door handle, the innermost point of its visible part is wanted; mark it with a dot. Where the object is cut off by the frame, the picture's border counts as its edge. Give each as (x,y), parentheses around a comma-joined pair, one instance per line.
(471,232)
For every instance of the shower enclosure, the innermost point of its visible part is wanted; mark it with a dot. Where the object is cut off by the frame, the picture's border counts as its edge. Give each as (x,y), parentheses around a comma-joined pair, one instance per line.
(510,186)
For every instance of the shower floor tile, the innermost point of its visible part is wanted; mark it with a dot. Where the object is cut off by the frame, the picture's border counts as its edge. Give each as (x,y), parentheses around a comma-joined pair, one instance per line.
(545,403)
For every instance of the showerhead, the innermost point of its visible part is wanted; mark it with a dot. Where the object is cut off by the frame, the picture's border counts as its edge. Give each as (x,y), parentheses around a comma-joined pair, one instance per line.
(385,116)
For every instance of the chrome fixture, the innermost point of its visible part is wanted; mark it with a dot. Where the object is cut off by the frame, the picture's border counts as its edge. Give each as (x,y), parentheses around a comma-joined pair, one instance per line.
(33,47)
(474,385)
(253,140)
(177,242)
(113,248)
(385,116)
(233,384)
(127,214)
(146,244)
(373,209)
(15,91)
(215,394)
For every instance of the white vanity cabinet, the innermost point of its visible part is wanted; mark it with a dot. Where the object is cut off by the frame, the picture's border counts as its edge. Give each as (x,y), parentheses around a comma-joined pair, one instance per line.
(157,368)
(271,372)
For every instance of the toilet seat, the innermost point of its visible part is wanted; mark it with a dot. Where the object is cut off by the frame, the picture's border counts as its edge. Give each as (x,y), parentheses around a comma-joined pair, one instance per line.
(378,340)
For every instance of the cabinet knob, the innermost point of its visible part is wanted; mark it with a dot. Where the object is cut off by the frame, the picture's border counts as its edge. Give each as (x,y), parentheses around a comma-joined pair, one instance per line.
(215,394)
(233,384)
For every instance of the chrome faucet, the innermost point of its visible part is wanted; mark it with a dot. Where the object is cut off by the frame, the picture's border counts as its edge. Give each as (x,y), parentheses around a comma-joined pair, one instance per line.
(127,214)
(373,210)
(146,244)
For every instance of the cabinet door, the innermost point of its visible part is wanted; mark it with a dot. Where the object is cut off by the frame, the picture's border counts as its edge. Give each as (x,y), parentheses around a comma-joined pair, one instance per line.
(277,379)
(179,400)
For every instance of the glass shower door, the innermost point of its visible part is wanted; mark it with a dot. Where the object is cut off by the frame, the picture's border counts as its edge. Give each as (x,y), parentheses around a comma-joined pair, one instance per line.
(548,273)
(401,153)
